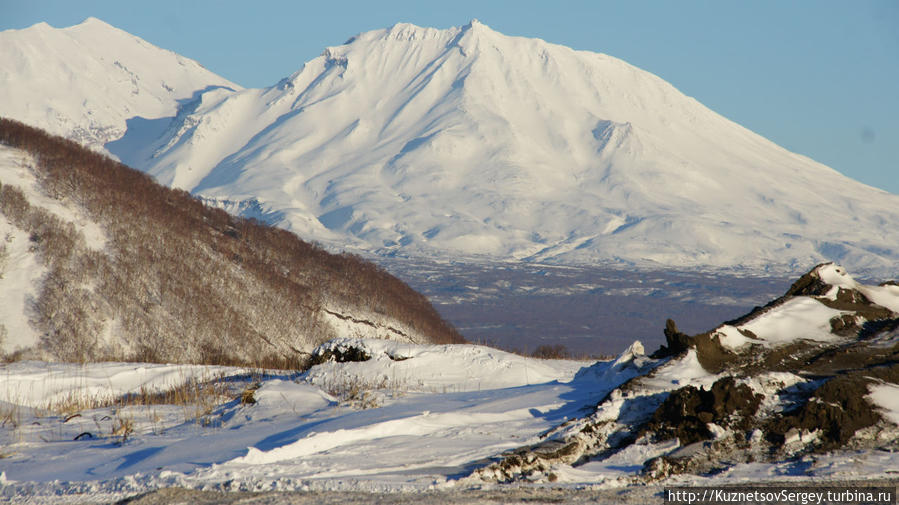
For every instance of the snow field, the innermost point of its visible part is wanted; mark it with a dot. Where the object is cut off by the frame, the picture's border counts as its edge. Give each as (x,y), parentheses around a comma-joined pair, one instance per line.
(87,81)
(39,384)
(415,434)
(886,398)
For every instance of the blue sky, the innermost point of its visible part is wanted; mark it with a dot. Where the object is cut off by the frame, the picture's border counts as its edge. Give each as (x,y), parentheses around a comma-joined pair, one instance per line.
(818,77)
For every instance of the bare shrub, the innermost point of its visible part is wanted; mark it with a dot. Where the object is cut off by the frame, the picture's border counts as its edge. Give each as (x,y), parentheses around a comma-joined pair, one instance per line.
(551,351)
(122,428)
(4,254)
(359,392)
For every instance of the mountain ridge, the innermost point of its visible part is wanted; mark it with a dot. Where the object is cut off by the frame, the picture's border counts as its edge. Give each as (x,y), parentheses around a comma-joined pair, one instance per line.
(85,81)
(797,380)
(466,143)
(510,197)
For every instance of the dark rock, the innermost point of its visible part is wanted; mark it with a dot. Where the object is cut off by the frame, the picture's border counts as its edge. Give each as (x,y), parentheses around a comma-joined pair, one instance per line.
(846,324)
(871,329)
(711,354)
(339,355)
(855,301)
(687,411)
(838,409)
(677,342)
(810,284)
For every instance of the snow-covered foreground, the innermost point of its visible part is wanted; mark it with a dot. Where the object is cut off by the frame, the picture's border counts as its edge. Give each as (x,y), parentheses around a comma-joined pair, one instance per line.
(411,418)
(417,422)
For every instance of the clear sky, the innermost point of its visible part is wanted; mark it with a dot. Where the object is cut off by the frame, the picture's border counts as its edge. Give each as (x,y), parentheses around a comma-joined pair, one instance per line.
(819,77)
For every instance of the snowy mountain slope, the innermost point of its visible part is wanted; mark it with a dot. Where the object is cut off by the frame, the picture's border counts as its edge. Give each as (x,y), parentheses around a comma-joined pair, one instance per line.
(86,81)
(467,142)
(99,262)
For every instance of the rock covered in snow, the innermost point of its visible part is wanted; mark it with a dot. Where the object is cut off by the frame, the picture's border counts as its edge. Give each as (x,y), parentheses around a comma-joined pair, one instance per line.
(808,374)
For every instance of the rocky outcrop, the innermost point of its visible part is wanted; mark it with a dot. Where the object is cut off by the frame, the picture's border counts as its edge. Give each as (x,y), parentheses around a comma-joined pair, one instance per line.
(689,413)
(676,341)
(789,380)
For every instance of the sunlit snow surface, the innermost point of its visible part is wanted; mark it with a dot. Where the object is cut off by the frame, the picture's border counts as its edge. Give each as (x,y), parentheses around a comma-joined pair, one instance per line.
(92,82)
(432,416)
(434,413)
(886,398)
(461,142)
(799,318)
(466,142)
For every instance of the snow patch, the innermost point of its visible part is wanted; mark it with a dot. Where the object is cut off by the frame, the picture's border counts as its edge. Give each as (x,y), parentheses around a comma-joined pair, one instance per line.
(886,398)
(680,372)
(17,168)
(798,318)
(731,338)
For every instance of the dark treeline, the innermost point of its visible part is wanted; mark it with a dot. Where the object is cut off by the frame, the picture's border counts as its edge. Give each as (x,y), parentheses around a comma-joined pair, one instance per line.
(184,282)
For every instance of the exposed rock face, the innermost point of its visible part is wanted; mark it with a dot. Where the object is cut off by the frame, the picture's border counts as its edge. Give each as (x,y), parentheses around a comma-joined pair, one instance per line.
(338,352)
(836,410)
(687,412)
(789,380)
(677,342)
(809,284)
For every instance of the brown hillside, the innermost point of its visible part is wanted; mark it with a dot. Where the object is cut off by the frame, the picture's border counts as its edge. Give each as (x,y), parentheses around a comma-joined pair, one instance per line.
(182,282)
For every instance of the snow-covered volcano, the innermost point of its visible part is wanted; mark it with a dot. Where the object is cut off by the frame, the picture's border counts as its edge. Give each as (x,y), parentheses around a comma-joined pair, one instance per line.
(465,142)
(86,81)
(469,142)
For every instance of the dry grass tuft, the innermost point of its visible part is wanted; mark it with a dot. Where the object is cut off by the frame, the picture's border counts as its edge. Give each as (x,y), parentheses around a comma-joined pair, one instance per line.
(198,400)
(360,393)
(247,396)
(122,427)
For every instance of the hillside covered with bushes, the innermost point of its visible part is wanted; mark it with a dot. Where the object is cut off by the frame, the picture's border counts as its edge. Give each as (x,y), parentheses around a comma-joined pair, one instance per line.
(99,262)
